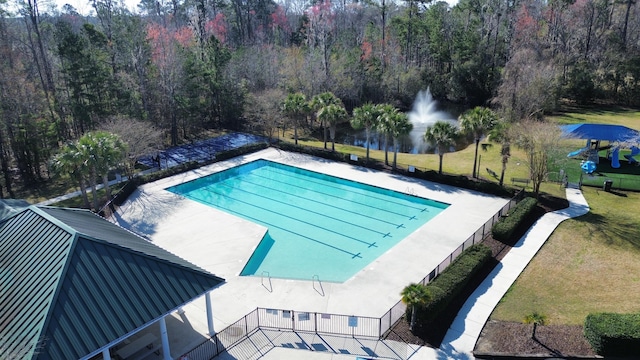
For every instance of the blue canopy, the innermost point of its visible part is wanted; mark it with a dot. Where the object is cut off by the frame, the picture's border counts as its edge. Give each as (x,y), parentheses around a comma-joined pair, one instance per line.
(599,132)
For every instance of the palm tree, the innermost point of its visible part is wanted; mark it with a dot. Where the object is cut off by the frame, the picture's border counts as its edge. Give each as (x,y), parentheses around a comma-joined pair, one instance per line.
(398,125)
(414,296)
(500,133)
(476,122)
(86,147)
(296,107)
(443,134)
(536,319)
(109,151)
(100,151)
(69,160)
(384,127)
(332,114)
(320,101)
(367,117)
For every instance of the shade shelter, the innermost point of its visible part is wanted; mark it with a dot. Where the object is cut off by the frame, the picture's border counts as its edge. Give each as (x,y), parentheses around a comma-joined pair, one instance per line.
(74,285)
(595,133)
(602,132)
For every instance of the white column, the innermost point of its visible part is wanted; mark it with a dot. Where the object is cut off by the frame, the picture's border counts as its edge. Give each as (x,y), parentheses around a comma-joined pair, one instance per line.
(166,352)
(106,355)
(207,297)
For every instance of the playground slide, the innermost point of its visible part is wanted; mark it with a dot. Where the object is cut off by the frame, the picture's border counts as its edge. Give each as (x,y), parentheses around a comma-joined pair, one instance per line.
(577,152)
(634,151)
(615,158)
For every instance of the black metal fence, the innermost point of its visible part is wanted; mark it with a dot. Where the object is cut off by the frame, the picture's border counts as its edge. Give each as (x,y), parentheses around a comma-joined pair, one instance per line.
(398,310)
(331,324)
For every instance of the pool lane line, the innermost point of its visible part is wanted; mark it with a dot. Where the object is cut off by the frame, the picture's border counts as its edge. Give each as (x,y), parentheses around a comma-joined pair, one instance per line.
(355,190)
(293,219)
(353,255)
(323,203)
(356,202)
(302,221)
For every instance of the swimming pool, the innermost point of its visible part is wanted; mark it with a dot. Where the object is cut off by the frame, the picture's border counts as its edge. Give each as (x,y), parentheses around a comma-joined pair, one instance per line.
(318,225)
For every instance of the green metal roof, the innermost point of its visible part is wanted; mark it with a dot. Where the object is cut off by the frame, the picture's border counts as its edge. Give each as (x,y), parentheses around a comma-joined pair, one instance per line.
(9,207)
(73,283)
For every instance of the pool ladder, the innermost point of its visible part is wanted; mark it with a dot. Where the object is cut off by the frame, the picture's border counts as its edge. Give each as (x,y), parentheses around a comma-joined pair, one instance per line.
(267,286)
(320,289)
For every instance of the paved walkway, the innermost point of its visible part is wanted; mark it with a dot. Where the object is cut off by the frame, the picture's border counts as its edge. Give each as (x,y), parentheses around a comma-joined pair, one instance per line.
(466,327)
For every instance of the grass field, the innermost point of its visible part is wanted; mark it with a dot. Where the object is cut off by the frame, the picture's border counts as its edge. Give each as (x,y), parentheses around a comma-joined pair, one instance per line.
(591,263)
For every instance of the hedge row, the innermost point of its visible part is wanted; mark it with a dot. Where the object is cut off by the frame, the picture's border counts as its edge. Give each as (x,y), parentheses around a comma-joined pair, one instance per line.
(430,175)
(453,279)
(613,334)
(503,229)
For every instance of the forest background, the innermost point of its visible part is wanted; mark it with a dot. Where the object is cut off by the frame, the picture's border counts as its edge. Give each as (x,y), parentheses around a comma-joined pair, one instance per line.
(185,67)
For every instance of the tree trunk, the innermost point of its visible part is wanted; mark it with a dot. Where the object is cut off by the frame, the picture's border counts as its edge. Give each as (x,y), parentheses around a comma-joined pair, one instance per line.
(412,324)
(105,183)
(4,164)
(324,133)
(332,133)
(395,152)
(94,190)
(475,158)
(368,135)
(504,169)
(386,149)
(440,166)
(83,192)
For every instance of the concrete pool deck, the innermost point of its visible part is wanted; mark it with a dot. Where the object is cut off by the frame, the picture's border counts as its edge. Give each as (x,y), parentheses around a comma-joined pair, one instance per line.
(222,243)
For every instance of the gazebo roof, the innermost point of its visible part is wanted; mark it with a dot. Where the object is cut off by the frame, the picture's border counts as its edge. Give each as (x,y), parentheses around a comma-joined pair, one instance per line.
(599,132)
(72,283)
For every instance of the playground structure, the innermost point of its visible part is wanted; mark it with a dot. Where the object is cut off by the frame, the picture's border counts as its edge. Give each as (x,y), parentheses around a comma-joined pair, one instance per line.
(630,157)
(617,136)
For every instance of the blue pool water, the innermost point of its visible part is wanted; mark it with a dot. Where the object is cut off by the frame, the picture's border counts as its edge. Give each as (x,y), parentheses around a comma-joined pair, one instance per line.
(318,225)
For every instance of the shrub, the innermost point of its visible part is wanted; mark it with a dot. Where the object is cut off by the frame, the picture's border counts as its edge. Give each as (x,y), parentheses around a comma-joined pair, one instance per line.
(613,334)
(503,229)
(452,280)
(430,175)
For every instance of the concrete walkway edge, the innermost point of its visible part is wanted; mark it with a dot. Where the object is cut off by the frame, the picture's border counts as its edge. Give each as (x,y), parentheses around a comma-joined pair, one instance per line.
(464,332)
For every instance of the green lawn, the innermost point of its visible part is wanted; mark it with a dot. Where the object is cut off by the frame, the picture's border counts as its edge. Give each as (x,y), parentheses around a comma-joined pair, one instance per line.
(592,263)
(589,264)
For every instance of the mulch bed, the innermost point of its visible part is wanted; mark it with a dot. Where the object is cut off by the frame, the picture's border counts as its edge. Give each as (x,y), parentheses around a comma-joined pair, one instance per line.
(500,338)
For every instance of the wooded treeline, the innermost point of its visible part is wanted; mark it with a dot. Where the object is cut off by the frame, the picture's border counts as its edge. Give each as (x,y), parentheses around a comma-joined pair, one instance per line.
(184,66)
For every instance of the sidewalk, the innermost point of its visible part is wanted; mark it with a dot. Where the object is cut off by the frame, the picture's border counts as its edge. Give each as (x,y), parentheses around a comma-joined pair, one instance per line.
(466,327)
(88,190)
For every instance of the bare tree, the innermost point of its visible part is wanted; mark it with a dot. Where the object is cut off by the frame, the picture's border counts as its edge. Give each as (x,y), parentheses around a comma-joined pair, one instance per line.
(529,87)
(263,112)
(540,140)
(140,137)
